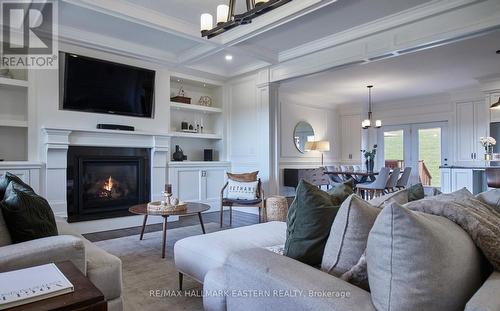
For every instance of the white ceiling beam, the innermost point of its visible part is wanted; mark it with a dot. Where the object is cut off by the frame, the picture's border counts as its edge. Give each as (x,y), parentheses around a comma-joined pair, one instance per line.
(143,16)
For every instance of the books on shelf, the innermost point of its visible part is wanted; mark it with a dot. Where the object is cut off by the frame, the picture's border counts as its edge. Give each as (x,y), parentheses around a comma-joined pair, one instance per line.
(28,285)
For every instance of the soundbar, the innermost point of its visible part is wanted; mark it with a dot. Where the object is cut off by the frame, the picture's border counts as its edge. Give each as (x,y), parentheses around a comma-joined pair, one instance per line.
(117,127)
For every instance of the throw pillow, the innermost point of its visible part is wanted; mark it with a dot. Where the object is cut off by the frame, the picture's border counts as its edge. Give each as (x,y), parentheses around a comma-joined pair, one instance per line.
(342,190)
(310,218)
(242,190)
(416,192)
(348,235)
(4,232)
(491,197)
(400,197)
(244,177)
(5,181)
(28,216)
(418,261)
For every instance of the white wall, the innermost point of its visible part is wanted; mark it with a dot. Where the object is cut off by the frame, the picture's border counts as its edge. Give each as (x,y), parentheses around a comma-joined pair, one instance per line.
(325,123)
(45,99)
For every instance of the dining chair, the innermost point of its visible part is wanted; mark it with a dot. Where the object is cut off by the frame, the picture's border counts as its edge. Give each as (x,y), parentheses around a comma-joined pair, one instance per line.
(376,188)
(392,181)
(403,180)
(336,178)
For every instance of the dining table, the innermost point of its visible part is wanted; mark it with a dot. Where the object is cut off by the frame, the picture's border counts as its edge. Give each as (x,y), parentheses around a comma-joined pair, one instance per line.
(358,176)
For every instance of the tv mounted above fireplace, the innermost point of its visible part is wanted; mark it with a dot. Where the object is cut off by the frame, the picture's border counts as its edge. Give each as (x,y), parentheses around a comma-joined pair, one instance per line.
(93,85)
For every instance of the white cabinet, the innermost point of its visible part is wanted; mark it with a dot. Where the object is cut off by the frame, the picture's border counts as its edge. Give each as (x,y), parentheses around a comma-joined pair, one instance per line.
(453,179)
(29,172)
(198,181)
(446,180)
(471,124)
(351,138)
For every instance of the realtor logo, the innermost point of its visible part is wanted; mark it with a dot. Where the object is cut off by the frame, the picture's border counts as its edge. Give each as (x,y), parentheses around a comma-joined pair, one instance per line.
(29,30)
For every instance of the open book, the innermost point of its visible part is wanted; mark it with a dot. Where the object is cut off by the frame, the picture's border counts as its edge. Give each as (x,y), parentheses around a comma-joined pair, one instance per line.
(24,286)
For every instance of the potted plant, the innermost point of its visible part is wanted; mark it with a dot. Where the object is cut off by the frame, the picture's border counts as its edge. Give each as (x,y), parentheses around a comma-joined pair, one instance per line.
(488,143)
(370,158)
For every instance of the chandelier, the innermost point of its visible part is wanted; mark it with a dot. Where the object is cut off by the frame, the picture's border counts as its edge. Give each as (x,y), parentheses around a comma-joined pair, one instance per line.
(227,19)
(367,123)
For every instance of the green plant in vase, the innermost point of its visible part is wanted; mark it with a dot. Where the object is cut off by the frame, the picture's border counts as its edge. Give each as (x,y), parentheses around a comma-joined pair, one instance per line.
(370,158)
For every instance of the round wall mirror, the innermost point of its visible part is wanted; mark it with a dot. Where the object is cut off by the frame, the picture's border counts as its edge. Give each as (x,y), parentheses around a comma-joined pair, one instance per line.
(302,133)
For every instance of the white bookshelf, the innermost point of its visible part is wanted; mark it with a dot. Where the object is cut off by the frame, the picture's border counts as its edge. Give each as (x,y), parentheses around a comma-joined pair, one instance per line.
(14,120)
(210,118)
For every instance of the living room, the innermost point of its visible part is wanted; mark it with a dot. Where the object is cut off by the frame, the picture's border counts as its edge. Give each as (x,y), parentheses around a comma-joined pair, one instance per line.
(158,167)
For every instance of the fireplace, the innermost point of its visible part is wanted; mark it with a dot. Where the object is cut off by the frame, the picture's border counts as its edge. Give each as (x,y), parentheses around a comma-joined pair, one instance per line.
(104,182)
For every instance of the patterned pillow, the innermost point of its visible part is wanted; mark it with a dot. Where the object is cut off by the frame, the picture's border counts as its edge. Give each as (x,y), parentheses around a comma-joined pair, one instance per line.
(237,190)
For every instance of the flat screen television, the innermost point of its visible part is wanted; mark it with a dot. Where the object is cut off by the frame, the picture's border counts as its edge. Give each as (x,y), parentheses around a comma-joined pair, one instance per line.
(93,85)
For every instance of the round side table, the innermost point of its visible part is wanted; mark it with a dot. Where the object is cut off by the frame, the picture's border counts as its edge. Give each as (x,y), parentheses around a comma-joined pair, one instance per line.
(276,208)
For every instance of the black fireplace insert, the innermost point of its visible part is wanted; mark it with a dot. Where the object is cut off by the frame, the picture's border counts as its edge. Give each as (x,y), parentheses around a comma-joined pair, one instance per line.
(104,182)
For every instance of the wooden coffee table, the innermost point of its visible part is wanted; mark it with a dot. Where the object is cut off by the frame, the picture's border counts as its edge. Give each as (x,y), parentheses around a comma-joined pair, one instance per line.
(192,209)
(86,297)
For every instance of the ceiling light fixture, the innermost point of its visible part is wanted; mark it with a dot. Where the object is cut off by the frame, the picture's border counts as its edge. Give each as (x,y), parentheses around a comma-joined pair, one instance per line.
(229,57)
(227,19)
(367,123)
(496,106)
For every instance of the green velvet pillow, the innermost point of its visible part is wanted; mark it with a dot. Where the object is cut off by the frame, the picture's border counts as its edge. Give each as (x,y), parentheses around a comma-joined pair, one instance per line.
(27,215)
(5,181)
(416,192)
(310,218)
(342,190)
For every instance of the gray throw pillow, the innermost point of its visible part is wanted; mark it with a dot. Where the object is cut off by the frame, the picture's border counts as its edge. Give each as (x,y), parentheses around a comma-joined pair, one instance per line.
(400,197)
(490,197)
(418,261)
(348,235)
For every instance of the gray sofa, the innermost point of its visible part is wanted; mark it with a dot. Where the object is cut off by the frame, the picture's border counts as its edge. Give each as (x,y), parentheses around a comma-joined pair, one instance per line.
(247,276)
(103,269)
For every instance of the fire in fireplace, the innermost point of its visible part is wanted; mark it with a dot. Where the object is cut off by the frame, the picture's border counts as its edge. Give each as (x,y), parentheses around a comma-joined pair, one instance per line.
(105,182)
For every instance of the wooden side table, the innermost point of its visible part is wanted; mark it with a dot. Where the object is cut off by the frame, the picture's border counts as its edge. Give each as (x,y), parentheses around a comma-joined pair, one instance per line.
(86,296)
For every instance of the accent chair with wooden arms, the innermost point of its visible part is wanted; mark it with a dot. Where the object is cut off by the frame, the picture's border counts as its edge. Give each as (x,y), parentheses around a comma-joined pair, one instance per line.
(258,202)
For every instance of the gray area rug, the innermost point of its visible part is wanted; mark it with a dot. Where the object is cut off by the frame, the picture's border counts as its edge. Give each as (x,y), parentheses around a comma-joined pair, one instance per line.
(145,272)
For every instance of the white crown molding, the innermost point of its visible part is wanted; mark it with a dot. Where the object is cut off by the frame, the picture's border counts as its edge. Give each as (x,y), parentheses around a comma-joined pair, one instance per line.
(462,21)
(382,24)
(109,44)
(266,22)
(143,16)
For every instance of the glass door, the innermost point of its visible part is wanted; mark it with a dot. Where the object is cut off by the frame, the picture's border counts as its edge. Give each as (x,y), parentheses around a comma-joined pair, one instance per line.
(419,146)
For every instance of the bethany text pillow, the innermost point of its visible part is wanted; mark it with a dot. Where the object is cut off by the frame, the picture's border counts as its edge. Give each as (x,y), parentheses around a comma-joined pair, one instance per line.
(237,190)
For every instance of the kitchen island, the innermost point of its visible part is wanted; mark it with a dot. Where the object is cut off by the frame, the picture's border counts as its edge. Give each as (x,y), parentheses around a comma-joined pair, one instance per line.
(456,177)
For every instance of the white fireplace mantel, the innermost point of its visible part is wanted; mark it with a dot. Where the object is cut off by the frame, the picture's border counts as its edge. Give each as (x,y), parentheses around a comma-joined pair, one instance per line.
(56,142)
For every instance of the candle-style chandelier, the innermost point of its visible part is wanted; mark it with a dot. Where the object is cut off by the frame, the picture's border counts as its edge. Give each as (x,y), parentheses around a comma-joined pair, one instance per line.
(227,19)
(367,123)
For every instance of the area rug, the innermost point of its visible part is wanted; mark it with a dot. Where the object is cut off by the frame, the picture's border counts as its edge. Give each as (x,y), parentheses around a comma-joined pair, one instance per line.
(150,283)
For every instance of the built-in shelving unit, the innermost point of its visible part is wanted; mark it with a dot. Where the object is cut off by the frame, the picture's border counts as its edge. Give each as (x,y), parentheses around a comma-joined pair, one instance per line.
(194,108)
(14,116)
(206,120)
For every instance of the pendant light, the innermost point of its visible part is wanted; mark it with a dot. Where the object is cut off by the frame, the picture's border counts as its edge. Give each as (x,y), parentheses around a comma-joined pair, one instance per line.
(496,106)
(367,123)
(227,19)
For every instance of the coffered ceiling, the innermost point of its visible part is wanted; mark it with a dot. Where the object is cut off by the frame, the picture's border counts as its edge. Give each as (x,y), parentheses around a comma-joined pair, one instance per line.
(167,32)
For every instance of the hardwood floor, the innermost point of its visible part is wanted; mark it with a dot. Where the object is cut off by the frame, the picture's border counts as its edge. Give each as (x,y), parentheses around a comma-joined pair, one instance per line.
(240,219)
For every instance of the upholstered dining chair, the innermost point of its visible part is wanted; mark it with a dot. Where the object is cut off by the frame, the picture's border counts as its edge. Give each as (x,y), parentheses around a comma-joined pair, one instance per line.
(336,178)
(259,202)
(493,177)
(403,180)
(376,188)
(393,180)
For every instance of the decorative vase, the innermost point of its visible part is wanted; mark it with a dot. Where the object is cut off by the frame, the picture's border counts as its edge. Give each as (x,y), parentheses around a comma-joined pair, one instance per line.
(178,154)
(370,164)
(488,156)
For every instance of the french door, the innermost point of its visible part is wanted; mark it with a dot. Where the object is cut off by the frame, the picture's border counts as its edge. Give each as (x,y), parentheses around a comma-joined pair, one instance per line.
(423,147)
